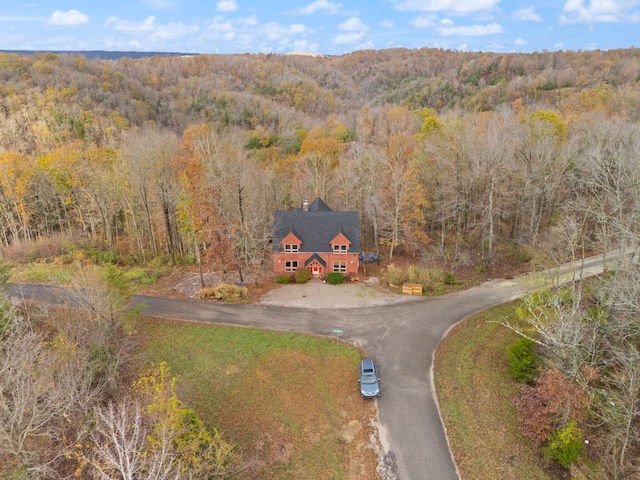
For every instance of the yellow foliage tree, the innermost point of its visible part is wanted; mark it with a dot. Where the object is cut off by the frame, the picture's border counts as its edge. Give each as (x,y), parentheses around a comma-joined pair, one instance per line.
(200,450)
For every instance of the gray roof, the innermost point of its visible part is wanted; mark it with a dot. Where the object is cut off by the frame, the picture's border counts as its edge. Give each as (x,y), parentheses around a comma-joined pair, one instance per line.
(316,227)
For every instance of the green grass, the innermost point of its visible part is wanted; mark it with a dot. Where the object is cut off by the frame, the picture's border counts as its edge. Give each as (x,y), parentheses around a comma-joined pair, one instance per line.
(62,272)
(283,398)
(475,391)
(42,273)
(141,276)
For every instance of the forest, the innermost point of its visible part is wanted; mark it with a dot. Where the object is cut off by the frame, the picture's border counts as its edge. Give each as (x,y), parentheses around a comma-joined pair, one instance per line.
(474,160)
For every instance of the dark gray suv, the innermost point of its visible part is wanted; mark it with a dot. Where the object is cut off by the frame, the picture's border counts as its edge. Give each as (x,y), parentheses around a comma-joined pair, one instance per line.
(369,380)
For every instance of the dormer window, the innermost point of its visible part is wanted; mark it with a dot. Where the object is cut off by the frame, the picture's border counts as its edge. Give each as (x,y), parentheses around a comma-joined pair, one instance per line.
(340,248)
(291,247)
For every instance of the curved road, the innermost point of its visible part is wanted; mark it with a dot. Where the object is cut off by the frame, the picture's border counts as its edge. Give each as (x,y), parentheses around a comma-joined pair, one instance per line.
(401,336)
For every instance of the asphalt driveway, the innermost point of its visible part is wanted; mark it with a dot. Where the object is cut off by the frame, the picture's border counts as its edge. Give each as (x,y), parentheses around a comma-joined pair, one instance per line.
(401,333)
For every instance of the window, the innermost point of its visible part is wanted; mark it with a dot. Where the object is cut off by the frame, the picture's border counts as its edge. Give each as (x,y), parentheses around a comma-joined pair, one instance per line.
(290,266)
(291,248)
(339,266)
(339,249)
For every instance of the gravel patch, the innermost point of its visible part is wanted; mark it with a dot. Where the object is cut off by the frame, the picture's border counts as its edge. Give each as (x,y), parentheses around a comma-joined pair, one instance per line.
(316,294)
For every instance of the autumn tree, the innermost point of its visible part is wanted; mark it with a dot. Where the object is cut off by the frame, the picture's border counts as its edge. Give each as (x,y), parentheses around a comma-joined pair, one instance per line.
(319,157)
(363,169)
(543,163)
(606,181)
(447,156)
(198,207)
(16,207)
(403,189)
(153,435)
(491,168)
(147,160)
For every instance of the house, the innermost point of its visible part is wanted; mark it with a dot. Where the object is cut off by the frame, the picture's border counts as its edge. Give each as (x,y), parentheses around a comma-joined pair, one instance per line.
(316,237)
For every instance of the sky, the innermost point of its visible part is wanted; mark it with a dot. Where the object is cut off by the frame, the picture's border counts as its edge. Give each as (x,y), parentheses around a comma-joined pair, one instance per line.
(327,27)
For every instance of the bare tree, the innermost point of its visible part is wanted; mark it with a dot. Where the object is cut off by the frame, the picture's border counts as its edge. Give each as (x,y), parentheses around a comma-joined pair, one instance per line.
(45,394)
(121,446)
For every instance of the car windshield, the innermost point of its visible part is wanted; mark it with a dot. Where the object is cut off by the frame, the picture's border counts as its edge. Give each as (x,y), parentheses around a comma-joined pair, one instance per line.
(369,378)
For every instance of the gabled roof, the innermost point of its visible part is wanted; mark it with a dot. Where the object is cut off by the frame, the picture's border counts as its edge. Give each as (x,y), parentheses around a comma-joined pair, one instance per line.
(317,258)
(316,228)
(319,206)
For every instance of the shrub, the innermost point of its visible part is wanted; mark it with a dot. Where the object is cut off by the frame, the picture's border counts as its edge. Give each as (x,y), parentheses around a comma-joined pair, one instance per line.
(225,292)
(519,254)
(303,275)
(141,276)
(565,445)
(449,278)
(545,406)
(102,257)
(523,361)
(335,278)
(283,279)
(395,275)
(432,281)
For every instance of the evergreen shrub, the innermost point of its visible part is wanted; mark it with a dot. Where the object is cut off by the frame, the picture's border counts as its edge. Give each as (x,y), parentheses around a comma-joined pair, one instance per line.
(523,360)
(303,275)
(335,278)
(566,445)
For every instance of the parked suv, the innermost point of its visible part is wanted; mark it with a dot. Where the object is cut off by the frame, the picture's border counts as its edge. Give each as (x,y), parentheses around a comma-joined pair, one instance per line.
(369,380)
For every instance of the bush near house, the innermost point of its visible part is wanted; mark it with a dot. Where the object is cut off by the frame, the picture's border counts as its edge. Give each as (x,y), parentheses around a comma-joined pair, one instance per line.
(303,275)
(226,292)
(335,278)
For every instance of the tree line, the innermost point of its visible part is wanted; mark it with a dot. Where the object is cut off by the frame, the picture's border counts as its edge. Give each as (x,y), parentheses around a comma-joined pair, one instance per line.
(455,186)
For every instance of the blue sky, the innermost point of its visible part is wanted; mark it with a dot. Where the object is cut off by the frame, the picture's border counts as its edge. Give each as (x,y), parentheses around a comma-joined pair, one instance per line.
(329,27)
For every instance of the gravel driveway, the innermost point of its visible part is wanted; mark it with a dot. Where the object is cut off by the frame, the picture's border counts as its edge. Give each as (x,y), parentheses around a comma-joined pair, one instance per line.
(318,295)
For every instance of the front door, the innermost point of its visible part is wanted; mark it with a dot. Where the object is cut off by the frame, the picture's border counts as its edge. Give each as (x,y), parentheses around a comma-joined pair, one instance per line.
(316,270)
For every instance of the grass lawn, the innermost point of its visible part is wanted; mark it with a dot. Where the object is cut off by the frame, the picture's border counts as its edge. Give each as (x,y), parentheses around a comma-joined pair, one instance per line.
(290,403)
(475,391)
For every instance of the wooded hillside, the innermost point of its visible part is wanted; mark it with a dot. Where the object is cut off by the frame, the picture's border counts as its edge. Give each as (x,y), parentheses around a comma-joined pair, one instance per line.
(445,153)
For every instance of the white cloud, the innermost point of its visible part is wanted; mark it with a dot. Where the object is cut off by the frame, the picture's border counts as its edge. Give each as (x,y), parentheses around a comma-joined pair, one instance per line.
(600,11)
(520,42)
(251,21)
(227,6)
(304,46)
(386,23)
(472,30)
(354,24)
(352,37)
(277,31)
(493,47)
(172,31)
(68,19)
(452,6)
(298,28)
(149,27)
(320,5)
(527,15)
(423,21)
